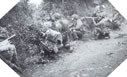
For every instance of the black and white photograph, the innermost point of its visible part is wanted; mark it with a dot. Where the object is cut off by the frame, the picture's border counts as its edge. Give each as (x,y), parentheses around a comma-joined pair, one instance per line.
(63,38)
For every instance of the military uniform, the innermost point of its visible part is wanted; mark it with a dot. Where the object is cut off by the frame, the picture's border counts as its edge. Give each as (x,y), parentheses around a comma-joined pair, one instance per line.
(76,27)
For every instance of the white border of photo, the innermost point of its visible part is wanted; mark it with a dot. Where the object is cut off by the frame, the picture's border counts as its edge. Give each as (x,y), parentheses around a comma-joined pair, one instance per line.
(6,71)
(6,5)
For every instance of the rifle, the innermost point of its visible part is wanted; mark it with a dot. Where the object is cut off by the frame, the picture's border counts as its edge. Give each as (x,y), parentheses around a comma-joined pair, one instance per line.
(10,37)
(5,41)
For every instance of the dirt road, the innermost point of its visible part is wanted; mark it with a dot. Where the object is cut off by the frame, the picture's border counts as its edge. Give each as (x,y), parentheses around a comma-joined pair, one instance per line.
(89,59)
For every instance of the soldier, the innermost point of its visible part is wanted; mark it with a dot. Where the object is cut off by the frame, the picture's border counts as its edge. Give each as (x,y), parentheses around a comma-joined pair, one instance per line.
(99,13)
(102,21)
(76,27)
(102,29)
(9,50)
(57,23)
(54,39)
(62,25)
(47,24)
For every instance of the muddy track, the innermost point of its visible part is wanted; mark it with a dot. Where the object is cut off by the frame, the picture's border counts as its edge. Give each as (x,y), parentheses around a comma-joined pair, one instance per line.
(90,59)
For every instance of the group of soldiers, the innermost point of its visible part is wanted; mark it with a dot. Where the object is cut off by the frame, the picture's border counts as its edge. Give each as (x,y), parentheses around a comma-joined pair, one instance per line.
(59,30)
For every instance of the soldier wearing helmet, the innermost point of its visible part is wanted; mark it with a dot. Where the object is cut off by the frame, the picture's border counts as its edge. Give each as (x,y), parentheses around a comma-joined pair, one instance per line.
(76,26)
(76,22)
(57,22)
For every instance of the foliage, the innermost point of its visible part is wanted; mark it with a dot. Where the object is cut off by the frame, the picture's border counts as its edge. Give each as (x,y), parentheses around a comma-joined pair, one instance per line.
(26,23)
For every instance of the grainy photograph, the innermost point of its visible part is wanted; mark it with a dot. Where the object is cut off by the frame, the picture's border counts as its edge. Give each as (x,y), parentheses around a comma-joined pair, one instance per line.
(63,38)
